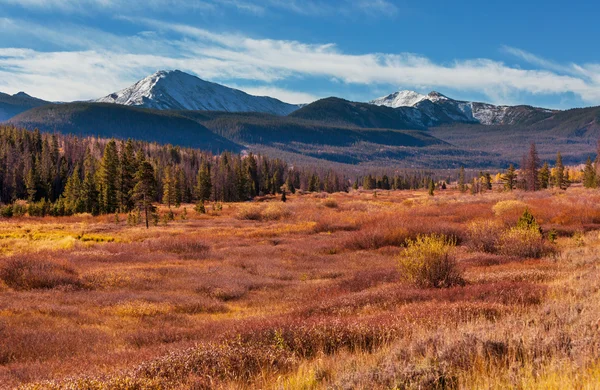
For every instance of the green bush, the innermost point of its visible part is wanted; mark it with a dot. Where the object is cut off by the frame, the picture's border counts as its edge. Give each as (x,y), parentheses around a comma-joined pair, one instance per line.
(429,261)
(6,211)
(19,209)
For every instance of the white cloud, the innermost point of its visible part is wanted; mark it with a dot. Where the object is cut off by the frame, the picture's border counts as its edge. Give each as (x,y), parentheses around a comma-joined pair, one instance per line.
(379,8)
(279,93)
(112,62)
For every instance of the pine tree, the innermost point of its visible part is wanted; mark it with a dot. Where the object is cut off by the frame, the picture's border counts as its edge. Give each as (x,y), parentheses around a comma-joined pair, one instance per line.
(127,171)
(203,182)
(558,178)
(510,178)
(527,222)
(475,187)
(168,187)
(144,189)
(289,183)
(90,193)
(74,201)
(461,179)
(544,176)
(488,181)
(252,170)
(589,175)
(31,185)
(313,184)
(431,187)
(109,170)
(242,180)
(531,169)
(179,186)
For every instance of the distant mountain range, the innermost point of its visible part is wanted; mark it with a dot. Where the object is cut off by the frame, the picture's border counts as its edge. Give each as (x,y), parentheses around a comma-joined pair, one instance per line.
(438,109)
(11,105)
(404,129)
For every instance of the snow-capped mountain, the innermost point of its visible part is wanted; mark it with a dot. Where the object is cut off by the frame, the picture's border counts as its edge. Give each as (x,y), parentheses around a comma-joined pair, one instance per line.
(176,90)
(400,99)
(438,109)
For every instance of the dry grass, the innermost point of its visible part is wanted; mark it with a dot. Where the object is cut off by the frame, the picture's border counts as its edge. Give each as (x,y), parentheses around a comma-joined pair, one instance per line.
(306,294)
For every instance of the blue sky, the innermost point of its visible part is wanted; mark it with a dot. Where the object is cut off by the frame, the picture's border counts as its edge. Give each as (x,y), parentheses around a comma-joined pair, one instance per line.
(539,53)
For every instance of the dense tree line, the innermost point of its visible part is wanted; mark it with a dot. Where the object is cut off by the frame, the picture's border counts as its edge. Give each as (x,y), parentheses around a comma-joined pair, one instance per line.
(63,174)
(398,181)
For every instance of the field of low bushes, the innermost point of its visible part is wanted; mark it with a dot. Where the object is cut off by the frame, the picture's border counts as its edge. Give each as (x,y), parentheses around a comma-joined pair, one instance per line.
(393,290)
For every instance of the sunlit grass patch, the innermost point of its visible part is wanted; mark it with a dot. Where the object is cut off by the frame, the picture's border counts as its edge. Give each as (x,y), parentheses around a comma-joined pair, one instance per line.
(141,309)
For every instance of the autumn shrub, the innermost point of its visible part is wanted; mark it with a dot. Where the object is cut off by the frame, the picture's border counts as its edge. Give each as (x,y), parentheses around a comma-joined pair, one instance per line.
(333,223)
(22,273)
(483,235)
(270,212)
(522,242)
(331,203)
(275,211)
(185,247)
(428,261)
(19,209)
(508,206)
(250,213)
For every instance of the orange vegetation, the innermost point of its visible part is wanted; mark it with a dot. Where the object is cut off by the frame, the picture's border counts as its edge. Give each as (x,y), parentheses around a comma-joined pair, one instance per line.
(305,294)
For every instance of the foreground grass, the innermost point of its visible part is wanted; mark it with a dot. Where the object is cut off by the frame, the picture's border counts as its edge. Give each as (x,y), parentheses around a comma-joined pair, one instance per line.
(305,294)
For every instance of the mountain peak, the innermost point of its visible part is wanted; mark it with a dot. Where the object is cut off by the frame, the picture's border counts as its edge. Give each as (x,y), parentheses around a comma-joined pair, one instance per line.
(404,98)
(435,96)
(177,90)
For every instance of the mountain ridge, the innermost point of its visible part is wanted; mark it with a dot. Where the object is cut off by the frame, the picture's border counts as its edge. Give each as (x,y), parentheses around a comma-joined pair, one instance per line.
(12,105)
(176,90)
(446,109)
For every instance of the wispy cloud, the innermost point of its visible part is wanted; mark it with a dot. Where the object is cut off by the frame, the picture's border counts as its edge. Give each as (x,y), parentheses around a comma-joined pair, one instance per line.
(94,63)
(282,94)
(381,8)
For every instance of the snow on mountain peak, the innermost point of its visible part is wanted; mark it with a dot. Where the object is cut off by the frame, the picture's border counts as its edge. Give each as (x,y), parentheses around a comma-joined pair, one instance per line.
(435,96)
(400,99)
(177,90)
